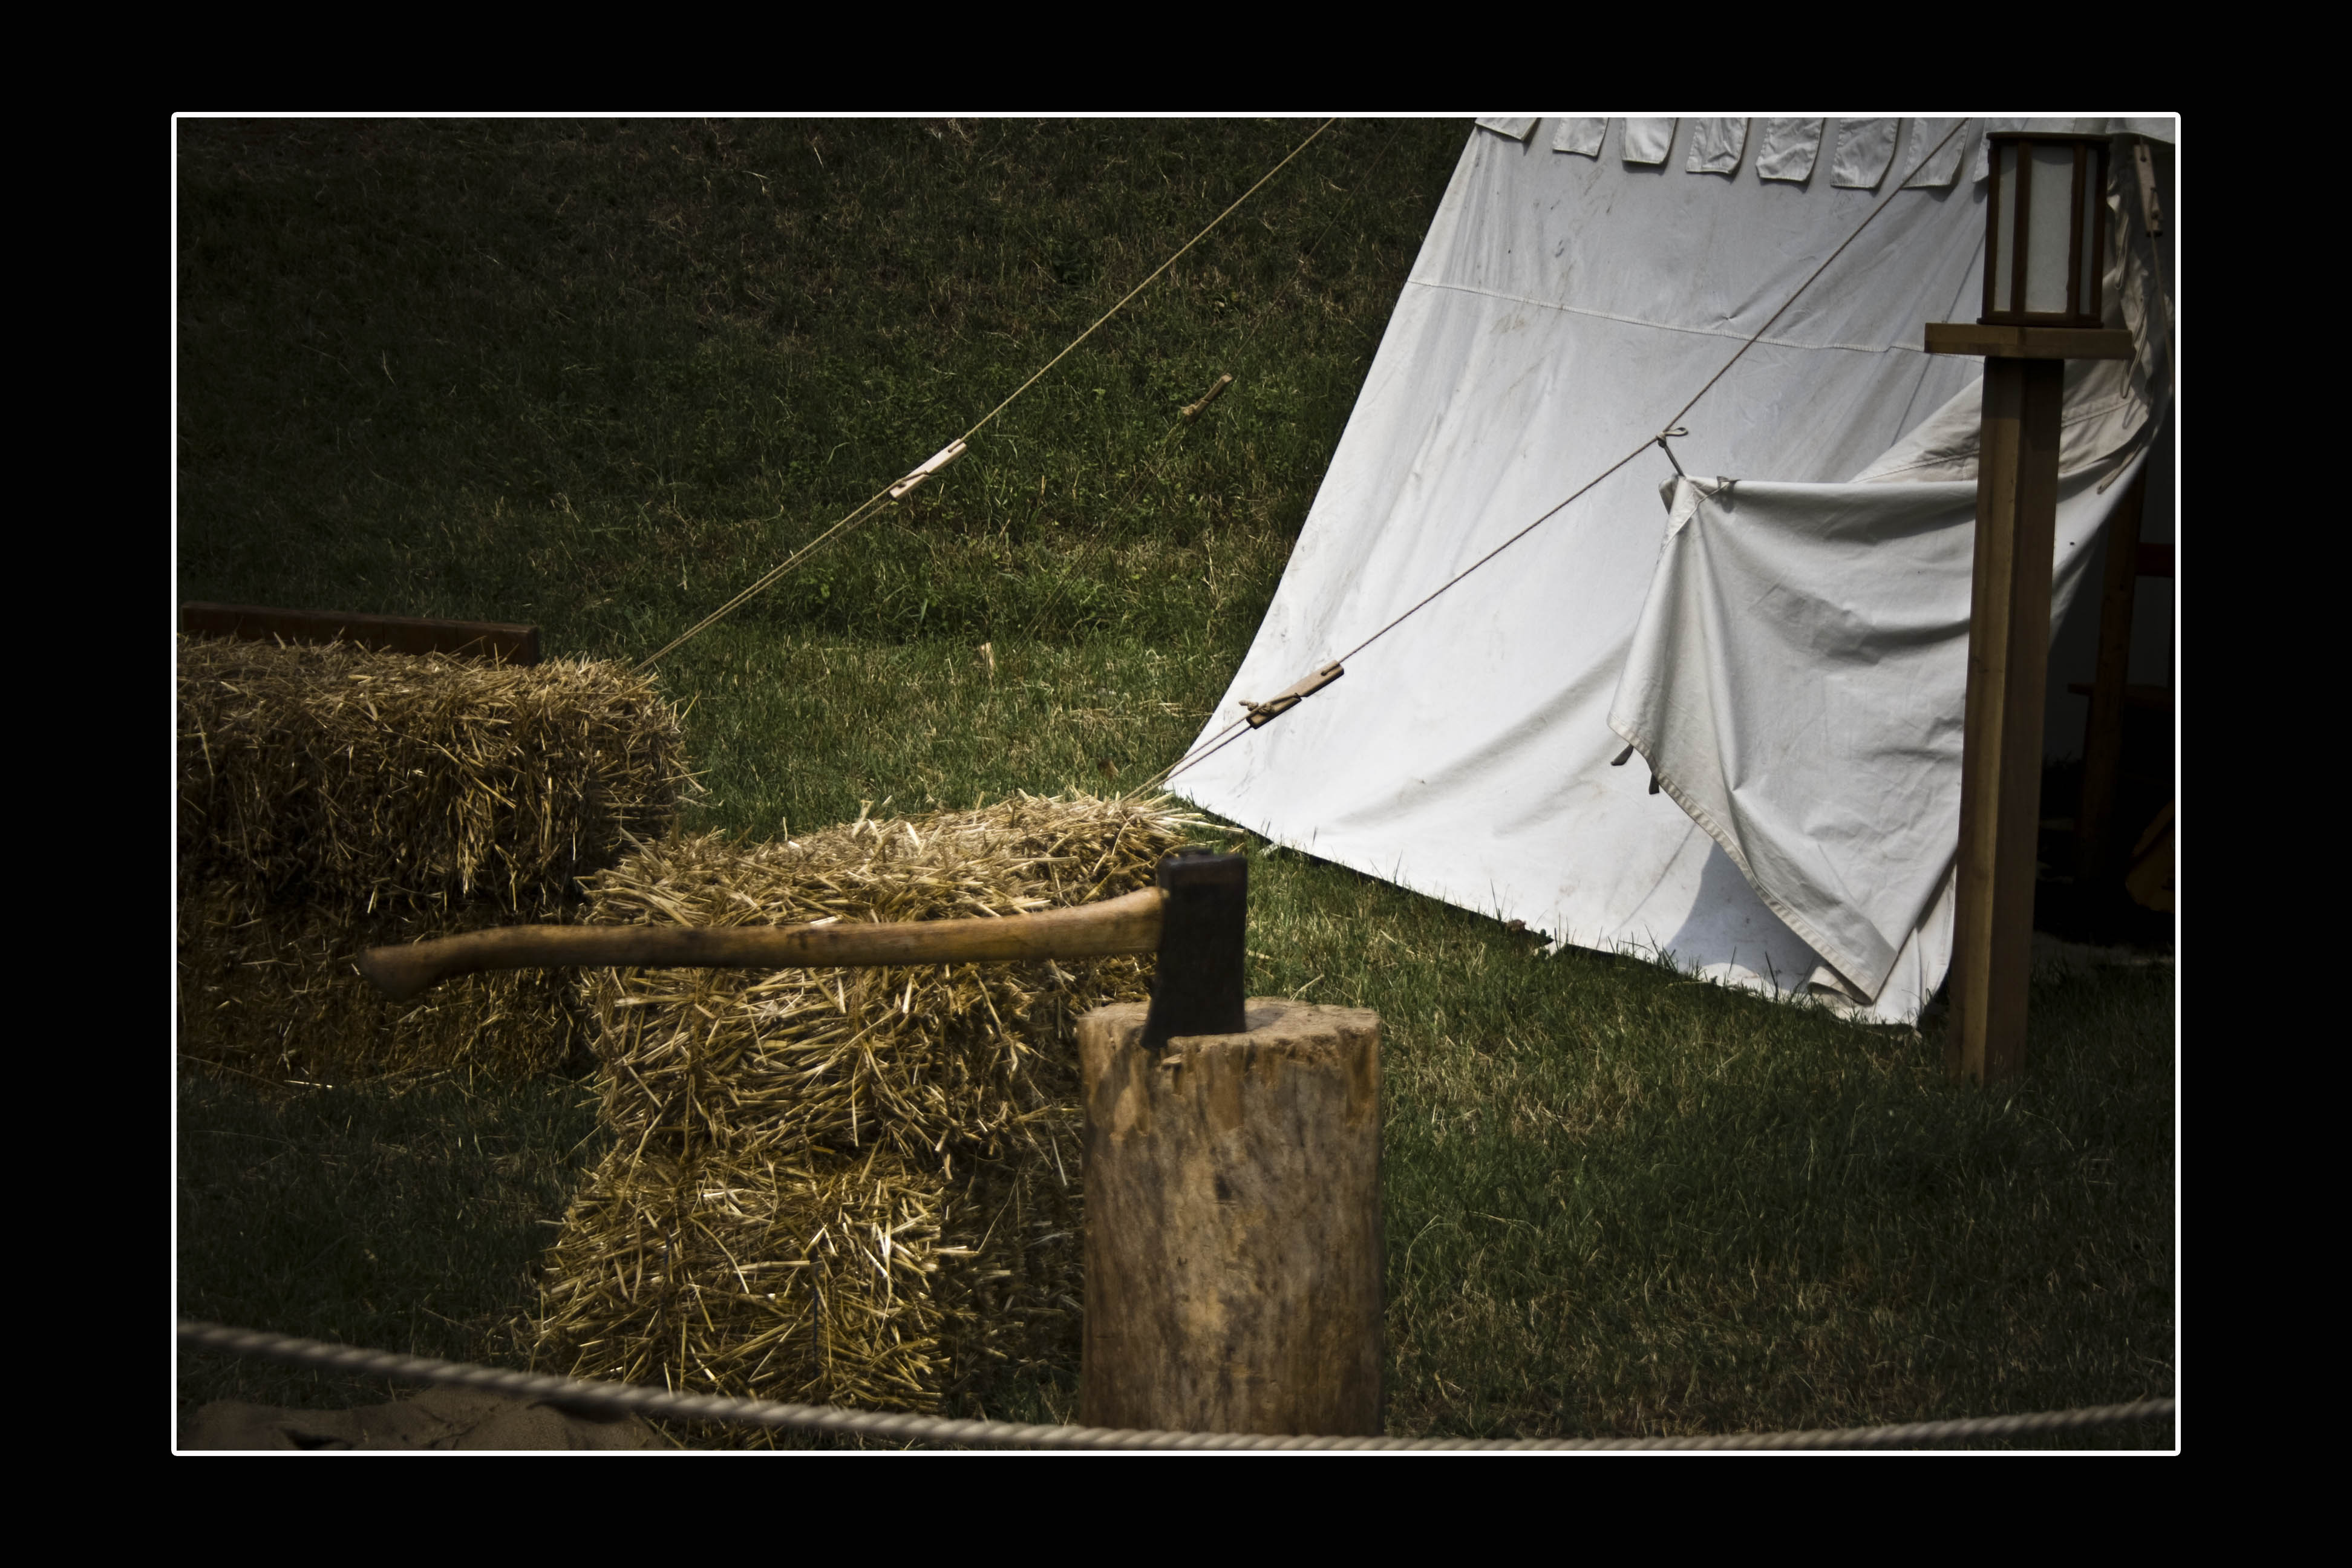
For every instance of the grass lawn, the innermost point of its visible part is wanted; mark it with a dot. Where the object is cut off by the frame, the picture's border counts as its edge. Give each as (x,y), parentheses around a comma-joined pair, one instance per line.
(601,377)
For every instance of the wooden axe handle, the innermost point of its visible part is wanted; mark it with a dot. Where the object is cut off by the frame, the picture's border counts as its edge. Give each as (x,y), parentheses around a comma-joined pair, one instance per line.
(1130,924)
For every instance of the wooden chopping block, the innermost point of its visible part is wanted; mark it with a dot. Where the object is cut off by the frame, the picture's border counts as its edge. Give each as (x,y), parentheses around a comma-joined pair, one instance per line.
(1234,1248)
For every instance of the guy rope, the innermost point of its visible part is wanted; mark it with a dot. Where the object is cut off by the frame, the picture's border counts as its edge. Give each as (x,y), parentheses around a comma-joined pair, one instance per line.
(1260,713)
(954,449)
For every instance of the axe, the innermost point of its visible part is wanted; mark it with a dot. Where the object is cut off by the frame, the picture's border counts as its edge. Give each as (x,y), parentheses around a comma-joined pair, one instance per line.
(1193,920)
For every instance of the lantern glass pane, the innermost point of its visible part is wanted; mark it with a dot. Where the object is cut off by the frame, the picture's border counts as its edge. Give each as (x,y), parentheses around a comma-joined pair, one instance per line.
(2094,195)
(2005,230)
(2049,228)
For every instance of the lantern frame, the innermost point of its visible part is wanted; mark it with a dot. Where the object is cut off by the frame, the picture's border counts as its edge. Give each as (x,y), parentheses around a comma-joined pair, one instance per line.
(2086,211)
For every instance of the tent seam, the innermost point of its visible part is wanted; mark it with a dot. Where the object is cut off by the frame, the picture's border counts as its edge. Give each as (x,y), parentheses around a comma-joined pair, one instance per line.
(1665,326)
(2126,447)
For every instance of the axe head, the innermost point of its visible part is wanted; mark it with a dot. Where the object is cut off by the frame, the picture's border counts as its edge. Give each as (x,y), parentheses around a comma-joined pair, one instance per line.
(1197,989)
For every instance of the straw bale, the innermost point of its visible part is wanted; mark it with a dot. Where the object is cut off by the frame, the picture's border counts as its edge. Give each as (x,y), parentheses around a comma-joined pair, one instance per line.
(951,1090)
(1019,1305)
(863,1280)
(338,775)
(934,1061)
(272,992)
(719,1273)
(334,798)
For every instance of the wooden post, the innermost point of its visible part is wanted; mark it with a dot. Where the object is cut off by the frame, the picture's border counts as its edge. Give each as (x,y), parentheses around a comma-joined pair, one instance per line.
(2103,740)
(1233,1261)
(2008,661)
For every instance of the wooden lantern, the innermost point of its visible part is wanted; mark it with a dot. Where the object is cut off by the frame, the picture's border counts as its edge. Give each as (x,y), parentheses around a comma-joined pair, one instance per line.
(2045,230)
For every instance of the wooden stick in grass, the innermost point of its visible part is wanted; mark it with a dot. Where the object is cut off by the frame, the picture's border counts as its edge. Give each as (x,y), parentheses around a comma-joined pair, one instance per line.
(1129,924)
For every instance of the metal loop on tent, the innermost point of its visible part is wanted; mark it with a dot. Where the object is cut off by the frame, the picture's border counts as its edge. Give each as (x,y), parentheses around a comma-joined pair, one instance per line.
(1671,430)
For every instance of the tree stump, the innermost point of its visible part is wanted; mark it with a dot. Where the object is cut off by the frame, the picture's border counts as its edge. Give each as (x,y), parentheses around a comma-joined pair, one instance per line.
(1233,1261)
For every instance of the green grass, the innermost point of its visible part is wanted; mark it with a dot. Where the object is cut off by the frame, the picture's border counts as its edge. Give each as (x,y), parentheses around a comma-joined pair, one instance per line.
(600,377)
(1620,1201)
(407,1217)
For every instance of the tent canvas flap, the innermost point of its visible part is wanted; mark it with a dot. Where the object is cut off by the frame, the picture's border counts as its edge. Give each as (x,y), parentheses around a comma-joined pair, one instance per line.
(1562,309)
(1790,683)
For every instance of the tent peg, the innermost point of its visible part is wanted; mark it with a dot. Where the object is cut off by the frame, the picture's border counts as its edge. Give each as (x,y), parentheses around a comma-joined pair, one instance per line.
(1192,411)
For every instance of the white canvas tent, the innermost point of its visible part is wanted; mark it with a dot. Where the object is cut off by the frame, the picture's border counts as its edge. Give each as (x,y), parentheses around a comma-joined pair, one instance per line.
(1786,646)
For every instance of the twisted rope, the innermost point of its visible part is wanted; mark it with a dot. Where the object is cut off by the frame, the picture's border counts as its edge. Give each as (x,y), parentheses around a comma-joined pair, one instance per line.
(622,1398)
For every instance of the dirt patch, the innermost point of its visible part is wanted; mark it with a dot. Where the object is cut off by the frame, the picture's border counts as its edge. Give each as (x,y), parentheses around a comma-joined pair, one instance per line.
(437,1418)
